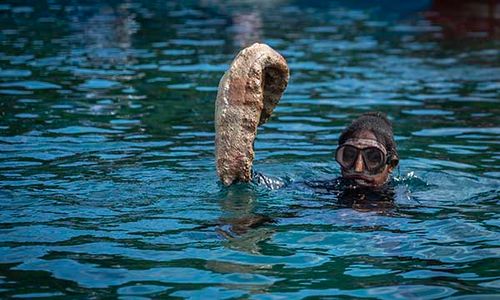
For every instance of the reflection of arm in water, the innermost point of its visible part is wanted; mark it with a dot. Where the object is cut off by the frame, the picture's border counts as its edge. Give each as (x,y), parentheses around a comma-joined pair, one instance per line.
(247,95)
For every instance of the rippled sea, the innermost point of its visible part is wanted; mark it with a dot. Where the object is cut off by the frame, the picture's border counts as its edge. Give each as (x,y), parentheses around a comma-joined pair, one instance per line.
(107,175)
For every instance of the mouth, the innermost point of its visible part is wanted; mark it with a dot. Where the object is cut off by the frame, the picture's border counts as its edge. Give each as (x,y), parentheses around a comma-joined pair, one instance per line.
(360,179)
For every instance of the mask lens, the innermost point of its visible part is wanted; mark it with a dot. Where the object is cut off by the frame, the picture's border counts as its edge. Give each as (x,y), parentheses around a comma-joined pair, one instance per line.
(348,156)
(374,158)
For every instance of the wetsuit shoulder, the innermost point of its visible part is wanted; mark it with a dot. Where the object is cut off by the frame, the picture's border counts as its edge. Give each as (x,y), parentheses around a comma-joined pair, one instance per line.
(325,185)
(272,183)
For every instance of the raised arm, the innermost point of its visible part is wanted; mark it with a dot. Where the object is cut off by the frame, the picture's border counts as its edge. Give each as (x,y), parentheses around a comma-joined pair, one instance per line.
(247,95)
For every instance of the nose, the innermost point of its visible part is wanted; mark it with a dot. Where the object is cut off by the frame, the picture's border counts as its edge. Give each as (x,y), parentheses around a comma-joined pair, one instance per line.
(359,165)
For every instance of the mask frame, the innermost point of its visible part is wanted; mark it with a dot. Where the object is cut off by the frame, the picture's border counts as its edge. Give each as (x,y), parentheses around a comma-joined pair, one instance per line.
(363,147)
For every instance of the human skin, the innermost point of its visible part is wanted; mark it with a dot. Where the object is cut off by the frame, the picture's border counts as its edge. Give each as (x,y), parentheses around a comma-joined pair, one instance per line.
(358,172)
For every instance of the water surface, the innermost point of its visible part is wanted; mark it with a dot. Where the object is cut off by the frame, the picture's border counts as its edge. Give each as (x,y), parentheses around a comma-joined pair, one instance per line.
(107,174)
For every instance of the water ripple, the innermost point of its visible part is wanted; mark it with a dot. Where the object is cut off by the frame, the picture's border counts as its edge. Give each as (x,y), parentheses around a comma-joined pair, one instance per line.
(107,178)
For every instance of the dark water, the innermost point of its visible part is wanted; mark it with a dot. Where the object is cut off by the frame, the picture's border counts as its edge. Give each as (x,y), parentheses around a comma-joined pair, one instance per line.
(107,176)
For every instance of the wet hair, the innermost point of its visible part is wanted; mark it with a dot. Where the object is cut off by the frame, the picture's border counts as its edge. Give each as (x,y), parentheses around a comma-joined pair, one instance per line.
(380,126)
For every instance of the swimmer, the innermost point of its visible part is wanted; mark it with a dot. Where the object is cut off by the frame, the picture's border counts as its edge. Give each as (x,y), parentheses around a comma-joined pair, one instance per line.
(367,151)
(366,154)
(248,93)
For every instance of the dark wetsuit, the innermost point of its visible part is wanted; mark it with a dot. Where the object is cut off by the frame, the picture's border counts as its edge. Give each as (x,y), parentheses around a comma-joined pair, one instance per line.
(339,192)
(346,191)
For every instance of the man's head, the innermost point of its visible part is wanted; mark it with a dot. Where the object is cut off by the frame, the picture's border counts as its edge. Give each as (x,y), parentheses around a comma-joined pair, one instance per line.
(367,151)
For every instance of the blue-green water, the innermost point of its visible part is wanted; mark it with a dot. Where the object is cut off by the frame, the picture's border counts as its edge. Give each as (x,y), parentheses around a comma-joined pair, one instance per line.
(107,174)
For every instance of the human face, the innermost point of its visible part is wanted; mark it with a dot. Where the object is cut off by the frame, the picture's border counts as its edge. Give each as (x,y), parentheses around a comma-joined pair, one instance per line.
(364,170)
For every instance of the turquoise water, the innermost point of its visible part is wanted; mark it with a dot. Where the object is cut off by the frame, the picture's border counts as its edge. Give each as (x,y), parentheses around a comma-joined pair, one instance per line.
(107,174)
